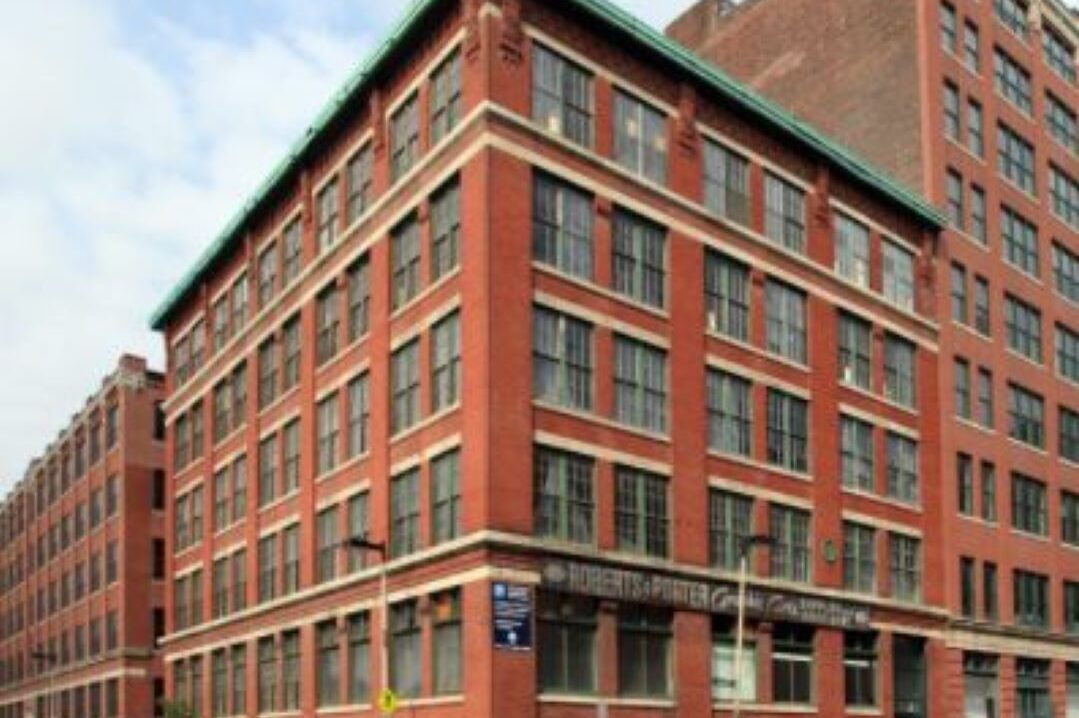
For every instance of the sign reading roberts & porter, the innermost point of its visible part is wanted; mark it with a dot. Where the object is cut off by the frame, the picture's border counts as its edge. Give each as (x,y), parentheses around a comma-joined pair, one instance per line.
(600,581)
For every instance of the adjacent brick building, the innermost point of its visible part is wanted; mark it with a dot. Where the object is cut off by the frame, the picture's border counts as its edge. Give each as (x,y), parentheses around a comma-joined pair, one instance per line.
(82,561)
(560,315)
(973,103)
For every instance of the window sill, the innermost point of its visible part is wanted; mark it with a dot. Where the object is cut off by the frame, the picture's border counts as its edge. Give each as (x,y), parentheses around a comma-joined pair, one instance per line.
(601,420)
(785,708)
(913,507)
(763,465)
(412,430)
(1031,536)
(422,294)
(595,288)
(596,700)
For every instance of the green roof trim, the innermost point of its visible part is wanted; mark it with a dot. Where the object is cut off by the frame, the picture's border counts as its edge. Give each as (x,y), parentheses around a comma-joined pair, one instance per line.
(616,18)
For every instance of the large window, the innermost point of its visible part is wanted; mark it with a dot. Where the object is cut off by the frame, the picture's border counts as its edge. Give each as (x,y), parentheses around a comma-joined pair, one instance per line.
(859,558)
(1032,688)
(898,275)
(640,384)
(1031,599)
(445,230)
(328,544)
(566,643)
(405,513)
(905,566)
(359,176)
(1023,326)
(1062,122)
(860,669)
(446,362)
(446,642)
(405,373)
(1029,505)
(1013,15)
(641,513)
(1059,55)
(405,137)
(445,497)
(730,517)
(445,97)
(267,675)
(855,356)
(788,431)
(792,664)
(1067,352)
(405,639)
(561,359)
(1069,518)
(1020,241)
(405,261)
(1066,272)
(726,182)
(1012,81)
(726,295)
(856,452)
(327,215)
(640,138)
(639,259)
(730,413)
(726,683)
(328,323)
(1064,197)
(328,666)
(785,309)
(359,416)
(981,689)
(359,298)
(790,552)
(1026,416)
(1015,158)
(899,373)
(327,417)
(562,96)
(562,226)
(784,215)
(645,636)
(563,501)
(359,658)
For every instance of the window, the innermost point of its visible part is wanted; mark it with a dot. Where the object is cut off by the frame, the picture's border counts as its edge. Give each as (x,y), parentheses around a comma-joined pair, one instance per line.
(359,298)
(971,47)
(327,215)
(1023,325)
(730,413)
(1029,509)
(989,491)
(292,456)
(327,431)
(985,398)
(1012,81)
(640,138)
(981,690)
(446,362)
(640,385)
(267,675)
(786,321)
(267,550)
(1032,688)
(852,250)
(239,396)
(327,324)
(359,177)
(291,335)
(989,591)
(357,528)
(788,431)
(790,552)
(292,251)
(966,586)
(1031,597)
(641,513)
(726,682)
(405,134)
(1059,55)
(446,497)
(267,373)
(445,230)
(359,658)
(562,227)
(445,98)
(446,643)
(899,374)
(854,341)
(239,580)
(730,519)
(978,214)
(405,373)
(961,388)
(1026,416)
(328,671)
(904,553)
(405,513)
(726,183)
(860,668)
(267,275)
(1069,435)
(960,312)
(644,650)
(898,280)
(792,663)
(359,415)
(639,258)
(951,111)
(784,214)
(1013,15)
(405,637)
(726,295)
(328,544)
(1020,240)
(1071,608)
(859,558)
(1067,351)
(1062,122)
(290,568)
(954,199)
(405,261)
(856,453)
(1015,158)
(1064,196)
(1066,272)
(948,28)
(220,588)
(290,669)
(219,684)
(561,359)
(981,306)
(561,96)
(563,503)
(239,304)
(566,643)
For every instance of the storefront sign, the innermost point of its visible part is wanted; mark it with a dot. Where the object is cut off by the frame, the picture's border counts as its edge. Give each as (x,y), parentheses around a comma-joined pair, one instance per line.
(511,608)
(600,581)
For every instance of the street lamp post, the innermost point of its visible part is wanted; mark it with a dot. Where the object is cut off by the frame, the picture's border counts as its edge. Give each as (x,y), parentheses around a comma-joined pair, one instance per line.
(744,548)
(362,543)
(49,658)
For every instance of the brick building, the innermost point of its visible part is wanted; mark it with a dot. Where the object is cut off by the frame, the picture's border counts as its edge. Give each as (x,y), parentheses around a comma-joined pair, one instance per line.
(82,561)
(559,315)
(973,103)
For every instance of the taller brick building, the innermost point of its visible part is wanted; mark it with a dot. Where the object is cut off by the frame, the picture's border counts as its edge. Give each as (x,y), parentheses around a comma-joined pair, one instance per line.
(558,315)
(82,561)
(974,103)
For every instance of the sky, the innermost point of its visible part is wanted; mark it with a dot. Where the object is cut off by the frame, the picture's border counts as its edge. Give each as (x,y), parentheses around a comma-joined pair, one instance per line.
(130,133)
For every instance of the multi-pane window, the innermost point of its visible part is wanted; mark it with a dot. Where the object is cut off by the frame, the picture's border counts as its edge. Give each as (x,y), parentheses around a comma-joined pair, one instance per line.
(979,214)
(327,664)
(1026,416)
(359,179)
(899,373)
(989,591)
(405,385)
(790,551)
(860,668)
(852,250)
(784,214)
(566,643)
(985,398)
(1031,599)
(905,566)
(267,675)
(1069,434)
(1012,81)
(446,362)
(267,373)
(785,316)
(1062,122)
(854,342)
(405,513)
(645,638)
(788,431)
(292,250)
(1023,327)
(640,384)
(561,359)
(405,640)
(898,275)
(359,298)
(359,416)
(730,413)
(1013,15)
(1059,55)
(1032,688)
(1064,196)
(726,182)
(327,324)
(327,215)
(446,497)
(1020,241)
(562,96)
(641,511)
(949,28)
(357,528)
(966,587)
(446,643)
(563,501)
(291,340)
(267,470)
(1015,158)
(445,230)
(328,543)
(639,256)
(859,558)
(964,478)
(1067,352)
(1030,511)
(726,295)
(239,580)
(290,670)
(1069,518)
(975,129)
(359,658)
(953,194)
(1071,618)
(239,304)
(267,557)
(290,566)
(730,519)
(562,226)
(989,491)
(445,97)
(1066,272)
(960,301)
(405,137)
(951,111)
(405,261)
(856,453)
(220,323)
(327,432)
(640,138)
(292,456)
(792,663)
(982,323)
(961,387)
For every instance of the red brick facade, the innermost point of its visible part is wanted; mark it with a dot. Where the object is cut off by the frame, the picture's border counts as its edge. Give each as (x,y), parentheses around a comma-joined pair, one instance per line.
(837,54)
(339,401)
(83,596)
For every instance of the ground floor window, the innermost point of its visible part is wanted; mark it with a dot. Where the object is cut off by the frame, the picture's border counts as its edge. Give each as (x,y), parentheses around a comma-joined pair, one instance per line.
(908,676)
(792,663)
(980,687)
(644,651)
(566,642)
(1073,690)
(1032,688)
(727,681)
(405,636)
(860,668)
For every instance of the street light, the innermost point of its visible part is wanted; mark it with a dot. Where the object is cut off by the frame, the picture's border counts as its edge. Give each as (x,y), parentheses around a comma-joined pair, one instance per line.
(362,543)
(744,548)
(50,659)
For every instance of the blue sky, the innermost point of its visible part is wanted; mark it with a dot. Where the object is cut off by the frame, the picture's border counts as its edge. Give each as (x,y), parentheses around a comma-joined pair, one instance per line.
(131,131)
